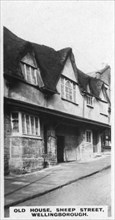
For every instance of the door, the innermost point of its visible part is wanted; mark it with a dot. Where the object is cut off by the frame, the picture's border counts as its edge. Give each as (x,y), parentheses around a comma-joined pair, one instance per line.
(60,149)
(45,139)
(95,142)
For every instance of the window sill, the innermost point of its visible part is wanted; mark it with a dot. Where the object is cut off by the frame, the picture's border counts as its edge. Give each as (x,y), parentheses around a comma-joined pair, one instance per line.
(69,101)
(104,115)
(90,106)
(26,136)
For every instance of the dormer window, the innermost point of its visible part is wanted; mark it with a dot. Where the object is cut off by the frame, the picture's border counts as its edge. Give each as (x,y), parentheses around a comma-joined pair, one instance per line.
(30,69)
(68,90)
(30,73)
(89,100)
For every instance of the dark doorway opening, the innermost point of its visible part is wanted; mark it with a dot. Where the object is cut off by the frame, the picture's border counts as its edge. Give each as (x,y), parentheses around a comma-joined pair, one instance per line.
(45,139)
(60,148)
(95,142)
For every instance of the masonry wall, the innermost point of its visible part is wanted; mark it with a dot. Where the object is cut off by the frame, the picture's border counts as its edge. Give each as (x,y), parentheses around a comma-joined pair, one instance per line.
(26,154)
(7,133)
(51,158)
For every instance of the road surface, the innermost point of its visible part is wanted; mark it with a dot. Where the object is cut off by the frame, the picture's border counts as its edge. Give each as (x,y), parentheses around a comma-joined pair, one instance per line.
(93,190)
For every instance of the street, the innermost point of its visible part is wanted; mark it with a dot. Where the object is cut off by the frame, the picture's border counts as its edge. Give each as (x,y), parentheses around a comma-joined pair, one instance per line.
(93,190)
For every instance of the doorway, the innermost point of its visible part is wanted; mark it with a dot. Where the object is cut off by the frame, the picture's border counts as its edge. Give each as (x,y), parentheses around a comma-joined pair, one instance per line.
(45,139)
(60,148)
(95,142)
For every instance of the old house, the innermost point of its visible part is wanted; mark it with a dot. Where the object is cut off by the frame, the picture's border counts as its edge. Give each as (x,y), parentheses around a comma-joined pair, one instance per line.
(53,112)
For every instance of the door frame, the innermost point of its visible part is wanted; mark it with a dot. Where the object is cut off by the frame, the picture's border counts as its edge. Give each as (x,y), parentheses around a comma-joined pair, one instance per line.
(60,154)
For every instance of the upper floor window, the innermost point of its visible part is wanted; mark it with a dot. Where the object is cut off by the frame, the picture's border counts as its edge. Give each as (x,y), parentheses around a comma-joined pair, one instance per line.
(29,72)
(68,90)
(88,136)
(89,100)
(25,124)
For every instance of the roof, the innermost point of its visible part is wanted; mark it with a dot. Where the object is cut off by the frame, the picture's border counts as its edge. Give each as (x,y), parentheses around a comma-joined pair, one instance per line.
(50,61)
(94,84)
(103,70)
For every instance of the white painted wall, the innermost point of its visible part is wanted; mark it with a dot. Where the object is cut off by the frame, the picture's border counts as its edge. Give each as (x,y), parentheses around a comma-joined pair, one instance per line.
(68,70)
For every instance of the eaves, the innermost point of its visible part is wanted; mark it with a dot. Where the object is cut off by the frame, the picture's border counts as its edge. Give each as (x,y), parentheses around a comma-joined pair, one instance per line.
(50,112)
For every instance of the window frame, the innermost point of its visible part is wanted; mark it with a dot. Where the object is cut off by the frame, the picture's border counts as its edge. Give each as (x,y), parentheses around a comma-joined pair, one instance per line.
(20,128)
(33,80)
(66,95)
(89,101)
(86,136)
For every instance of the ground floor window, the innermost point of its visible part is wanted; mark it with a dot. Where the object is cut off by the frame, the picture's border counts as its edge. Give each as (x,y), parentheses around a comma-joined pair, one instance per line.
(25,124)
(88,136)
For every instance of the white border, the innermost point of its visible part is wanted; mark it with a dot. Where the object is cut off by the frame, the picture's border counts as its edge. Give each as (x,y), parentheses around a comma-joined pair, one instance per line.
(2,128)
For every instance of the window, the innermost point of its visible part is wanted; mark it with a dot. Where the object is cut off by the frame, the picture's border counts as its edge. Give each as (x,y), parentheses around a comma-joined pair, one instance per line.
(30,73)
(25,124)
(15,122)
(88,136)
(89,100)
(68,90)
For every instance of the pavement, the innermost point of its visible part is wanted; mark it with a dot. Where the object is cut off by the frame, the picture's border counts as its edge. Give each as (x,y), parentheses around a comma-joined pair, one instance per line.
(20,188)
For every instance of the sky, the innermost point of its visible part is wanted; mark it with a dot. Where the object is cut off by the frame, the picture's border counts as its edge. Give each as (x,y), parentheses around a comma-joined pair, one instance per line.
(85,26)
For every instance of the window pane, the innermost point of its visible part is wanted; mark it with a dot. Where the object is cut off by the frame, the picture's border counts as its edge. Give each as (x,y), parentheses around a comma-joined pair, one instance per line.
(15,122)
(74,96)
(88,136)
(33,74)
(28,73)
(15,115)
(23,70)
(32,125)
(23,124)
(62,90)
(68,90)
(36,126)
(89,100)
(27,124)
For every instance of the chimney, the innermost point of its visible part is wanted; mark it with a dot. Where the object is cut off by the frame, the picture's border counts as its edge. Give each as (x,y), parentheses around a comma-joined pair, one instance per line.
(97,75)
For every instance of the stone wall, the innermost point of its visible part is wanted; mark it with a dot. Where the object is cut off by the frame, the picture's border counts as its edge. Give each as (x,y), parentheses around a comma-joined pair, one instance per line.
(7,132)
(51,158)
(26,154)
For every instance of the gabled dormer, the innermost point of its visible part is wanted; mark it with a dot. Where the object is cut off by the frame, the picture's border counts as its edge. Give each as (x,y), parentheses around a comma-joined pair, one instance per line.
(30,70)
(68,70)
(69,83)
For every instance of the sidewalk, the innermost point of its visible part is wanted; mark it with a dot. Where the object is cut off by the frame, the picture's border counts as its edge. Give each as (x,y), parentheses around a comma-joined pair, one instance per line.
(24,187)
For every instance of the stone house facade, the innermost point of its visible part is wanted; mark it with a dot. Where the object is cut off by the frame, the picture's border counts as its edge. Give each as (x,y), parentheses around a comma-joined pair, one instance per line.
(53,112)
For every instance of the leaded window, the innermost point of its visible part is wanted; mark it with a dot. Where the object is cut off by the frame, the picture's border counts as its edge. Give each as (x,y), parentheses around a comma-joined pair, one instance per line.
(68,90)
(25,124)
(30,73)
(88,136)
(89,100)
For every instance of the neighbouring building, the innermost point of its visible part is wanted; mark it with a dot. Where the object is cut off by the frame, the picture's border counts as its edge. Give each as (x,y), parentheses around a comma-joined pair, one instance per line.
(53,112)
